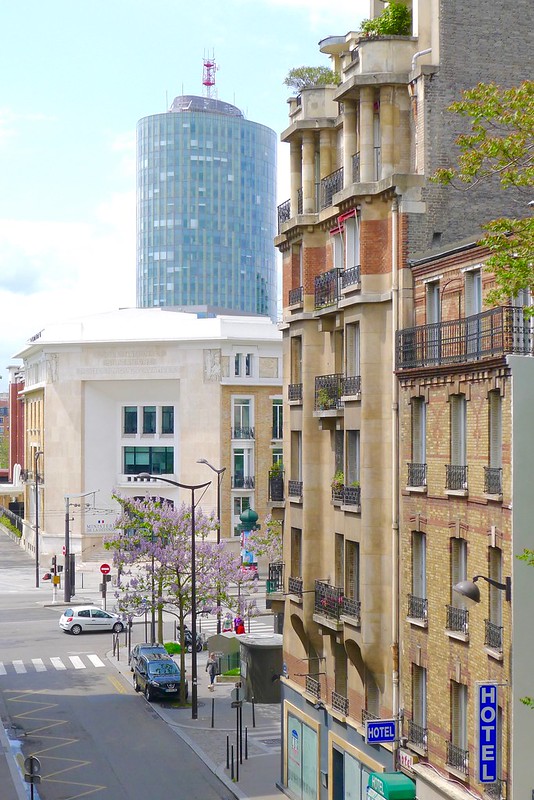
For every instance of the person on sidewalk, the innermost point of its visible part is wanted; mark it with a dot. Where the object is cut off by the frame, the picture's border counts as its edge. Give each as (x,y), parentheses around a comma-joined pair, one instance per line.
(227,623)
(211,669)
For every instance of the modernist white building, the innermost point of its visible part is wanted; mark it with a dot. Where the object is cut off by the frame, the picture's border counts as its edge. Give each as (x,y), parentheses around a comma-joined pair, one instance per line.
(113,395)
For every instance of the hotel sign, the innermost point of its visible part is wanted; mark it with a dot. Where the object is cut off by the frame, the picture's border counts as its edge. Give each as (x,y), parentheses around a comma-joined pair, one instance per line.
(486,718)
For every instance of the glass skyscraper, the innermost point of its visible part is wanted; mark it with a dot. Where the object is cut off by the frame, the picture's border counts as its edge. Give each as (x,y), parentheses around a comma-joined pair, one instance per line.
(206,207)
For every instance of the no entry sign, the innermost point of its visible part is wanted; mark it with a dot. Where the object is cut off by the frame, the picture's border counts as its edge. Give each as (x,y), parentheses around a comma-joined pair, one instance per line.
(105,569)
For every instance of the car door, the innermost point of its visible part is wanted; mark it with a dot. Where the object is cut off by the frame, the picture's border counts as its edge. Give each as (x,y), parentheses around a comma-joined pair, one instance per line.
(83,617)
(101,620)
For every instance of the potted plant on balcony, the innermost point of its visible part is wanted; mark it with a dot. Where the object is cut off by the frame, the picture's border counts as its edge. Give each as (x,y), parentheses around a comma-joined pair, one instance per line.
(395,20)
(276,481)
(338,485)
(300,78)
(324,399)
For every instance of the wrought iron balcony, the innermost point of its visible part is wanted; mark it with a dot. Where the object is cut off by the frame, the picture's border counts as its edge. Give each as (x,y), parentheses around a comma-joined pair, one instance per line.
(328,600)
(276,487)
(457,619)
(328,392)
(350,277)
(416,475)
(493,635)
(313,686)
(455,477)
(296,296)
(242,482)
(243,433)
(284,213)
(340,703)
(294,488)
(495,791)
(327,288)
(275,581)
(299,201)
(481,336)
(294,586)
(356,168)
(417,735)
(330,185)
(417,607)
(368,715)
(352,608)
(493,480)
(351,385)
(351,495)
(457,758)
(294,392)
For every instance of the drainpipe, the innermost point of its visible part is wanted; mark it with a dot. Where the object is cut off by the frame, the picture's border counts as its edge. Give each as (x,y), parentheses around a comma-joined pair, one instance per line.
(395,467)
(418,55)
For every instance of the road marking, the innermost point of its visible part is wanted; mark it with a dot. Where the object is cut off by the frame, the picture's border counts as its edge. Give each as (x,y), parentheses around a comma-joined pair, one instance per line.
(2,669)
(117,684)
(58,663)
(19,666)
(38,663)
(95,660)
(77,662)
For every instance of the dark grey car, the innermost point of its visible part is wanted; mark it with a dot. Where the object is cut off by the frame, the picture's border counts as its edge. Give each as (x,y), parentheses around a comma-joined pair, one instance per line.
(157,675)
(143,649)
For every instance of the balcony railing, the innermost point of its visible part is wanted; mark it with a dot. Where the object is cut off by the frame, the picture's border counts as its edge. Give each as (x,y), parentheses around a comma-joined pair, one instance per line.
(481,336)
(377,162)
(242,482)
(351,495)
(455,477)
(352,608)
(313,686)
(328,392)
(296,296)
(350,277)
(493,635)
(328,600)
(417,607)
(299,201)
(327,288)
(275,580)
(294,392)
(457,758)
(276,487)
(294,488)
(417,735)
(340,703)
(368,715)
(243,433)
(294,586)
(495,791)
(284,213)
(416,475)
(330,185)
(356,168)
(457,619)
(493,480)
(351,385)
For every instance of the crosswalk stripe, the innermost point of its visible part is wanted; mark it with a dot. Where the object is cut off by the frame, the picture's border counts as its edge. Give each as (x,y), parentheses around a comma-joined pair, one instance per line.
(77,662)
(57,663)
(38,663)
(95,660)
(19,666)
(2,668)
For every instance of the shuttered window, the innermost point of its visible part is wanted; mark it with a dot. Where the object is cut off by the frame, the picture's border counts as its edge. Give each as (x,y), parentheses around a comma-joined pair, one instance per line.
(353,458)
(473,292)
(418,430)
(352,583)
(419,695)
(352,335)
(340,560)
(495,429)
(419,564)
(458,430)
(459,715)
(352,242)
(458,569)
(433,310)
(495,594)
(296,359)
(296,553)
(296,456)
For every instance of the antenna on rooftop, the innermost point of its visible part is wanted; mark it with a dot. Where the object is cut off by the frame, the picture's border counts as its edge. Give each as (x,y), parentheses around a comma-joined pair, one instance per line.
(208,76)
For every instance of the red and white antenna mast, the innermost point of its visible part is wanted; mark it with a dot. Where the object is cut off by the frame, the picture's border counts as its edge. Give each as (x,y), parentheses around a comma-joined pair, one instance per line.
(208,77)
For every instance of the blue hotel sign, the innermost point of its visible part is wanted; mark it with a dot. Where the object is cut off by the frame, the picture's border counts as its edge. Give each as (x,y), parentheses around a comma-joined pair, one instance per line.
(486,731)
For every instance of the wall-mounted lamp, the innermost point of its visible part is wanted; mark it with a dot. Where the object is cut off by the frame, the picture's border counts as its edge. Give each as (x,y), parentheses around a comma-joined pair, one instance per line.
(470,590)
(319,705)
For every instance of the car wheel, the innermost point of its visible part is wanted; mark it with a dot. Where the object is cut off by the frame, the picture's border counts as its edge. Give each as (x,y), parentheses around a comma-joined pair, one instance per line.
(136,685)
(76,630)
(200,647)
(148,693)
(118,627)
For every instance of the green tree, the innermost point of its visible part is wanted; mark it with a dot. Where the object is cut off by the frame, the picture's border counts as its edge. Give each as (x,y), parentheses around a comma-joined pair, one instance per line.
(499,147)
(528,557)
(395,20)
(4,452)
(300,78)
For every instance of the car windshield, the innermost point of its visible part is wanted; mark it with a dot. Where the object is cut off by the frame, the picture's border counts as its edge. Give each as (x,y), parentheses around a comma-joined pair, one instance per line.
(164,668)
(68,612)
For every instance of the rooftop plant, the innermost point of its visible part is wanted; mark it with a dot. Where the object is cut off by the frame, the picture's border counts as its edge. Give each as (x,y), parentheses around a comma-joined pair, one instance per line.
(395,20)
(300,78)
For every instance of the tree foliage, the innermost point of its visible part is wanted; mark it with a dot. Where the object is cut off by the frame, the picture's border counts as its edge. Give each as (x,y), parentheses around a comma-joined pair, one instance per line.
(300,78)
(499,147)
(4,451)
(395,20)
(267,541)
(528,557)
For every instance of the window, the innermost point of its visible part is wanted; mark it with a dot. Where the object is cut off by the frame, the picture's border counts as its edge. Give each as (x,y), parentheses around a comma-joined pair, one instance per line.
(417,468)
(353,458)
(240,504)
(352,583)
(242,419)
(419,704)
(418,565)
(339,546)
(278,418)
(129,419)
(458,429)
(167,419)
(433,305)
(243,475)
(149,419)
(156,460)
(352,336)
(237,364)
(338,250)
(458,570)
(277,456)
(296,455)
(458,717)
(249,362)
(495,429)
(296,359)
(495,594)
(473,292)
(296,553)
(352,242)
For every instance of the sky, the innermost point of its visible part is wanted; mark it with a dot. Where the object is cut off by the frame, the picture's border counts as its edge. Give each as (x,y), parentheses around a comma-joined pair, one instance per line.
(77,75)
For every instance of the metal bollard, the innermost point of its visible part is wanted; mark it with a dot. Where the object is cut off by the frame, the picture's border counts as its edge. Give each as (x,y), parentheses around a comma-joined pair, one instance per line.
(212,712)
(227,752)
(232,770)
(253,713)
(246,743)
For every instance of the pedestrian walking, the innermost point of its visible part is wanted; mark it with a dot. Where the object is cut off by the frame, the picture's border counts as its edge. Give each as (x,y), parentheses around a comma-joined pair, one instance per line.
(211,669)
(227,623)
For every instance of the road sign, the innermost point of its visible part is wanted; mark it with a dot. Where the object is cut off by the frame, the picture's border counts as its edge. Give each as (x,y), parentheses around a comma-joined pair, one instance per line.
(236,704)
(32,765)
(237,695)
(64,550)
(378,731)
(56,580)
(105,569)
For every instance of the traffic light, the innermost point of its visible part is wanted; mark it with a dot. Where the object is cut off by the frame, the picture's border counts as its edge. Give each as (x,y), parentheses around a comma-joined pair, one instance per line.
(53,568)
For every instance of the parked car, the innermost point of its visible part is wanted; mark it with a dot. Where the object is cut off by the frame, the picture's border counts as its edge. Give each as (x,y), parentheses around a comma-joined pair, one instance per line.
(88,619)
(157,675)
(144,649)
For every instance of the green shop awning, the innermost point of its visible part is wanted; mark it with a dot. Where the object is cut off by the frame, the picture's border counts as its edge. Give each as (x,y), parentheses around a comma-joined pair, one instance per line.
(391,785)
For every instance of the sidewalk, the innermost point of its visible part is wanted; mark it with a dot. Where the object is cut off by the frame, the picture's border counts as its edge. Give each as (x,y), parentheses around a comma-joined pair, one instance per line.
(259,772)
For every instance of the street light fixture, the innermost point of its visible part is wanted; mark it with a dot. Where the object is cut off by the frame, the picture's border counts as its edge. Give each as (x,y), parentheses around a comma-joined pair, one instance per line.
(67,572)
(220,475)
(36,476)
(194,672)
(470,590)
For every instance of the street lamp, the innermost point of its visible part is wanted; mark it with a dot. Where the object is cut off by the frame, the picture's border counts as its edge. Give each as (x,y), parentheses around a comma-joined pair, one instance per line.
(35,464)
(470,590)
(194,673)
(67,585)
(220,475)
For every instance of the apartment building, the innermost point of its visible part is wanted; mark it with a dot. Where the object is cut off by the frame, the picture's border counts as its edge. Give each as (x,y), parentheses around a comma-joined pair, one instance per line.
(360,207)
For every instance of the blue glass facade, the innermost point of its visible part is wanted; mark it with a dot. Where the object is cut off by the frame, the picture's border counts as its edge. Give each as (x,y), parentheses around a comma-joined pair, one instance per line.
(206,206)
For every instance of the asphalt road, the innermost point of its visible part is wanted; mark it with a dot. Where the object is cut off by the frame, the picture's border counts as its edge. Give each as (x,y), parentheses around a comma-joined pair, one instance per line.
(63,702)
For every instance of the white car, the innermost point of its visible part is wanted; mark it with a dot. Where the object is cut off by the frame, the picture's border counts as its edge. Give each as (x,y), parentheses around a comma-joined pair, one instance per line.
(89,619)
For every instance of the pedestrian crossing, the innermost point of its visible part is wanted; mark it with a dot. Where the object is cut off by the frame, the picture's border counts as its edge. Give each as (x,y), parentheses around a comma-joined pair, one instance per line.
(257,627)
(20,667)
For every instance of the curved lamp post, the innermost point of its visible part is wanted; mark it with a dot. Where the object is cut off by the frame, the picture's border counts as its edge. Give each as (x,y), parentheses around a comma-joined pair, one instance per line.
(470,590)
(194,672)
(220,475)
